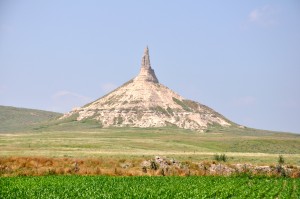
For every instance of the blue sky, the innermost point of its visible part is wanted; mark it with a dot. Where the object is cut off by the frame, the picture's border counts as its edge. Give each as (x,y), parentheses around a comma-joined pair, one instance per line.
(241,58)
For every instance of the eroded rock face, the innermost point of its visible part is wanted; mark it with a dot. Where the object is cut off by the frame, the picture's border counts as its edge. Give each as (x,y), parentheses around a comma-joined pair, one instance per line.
(146,72)
(144,102)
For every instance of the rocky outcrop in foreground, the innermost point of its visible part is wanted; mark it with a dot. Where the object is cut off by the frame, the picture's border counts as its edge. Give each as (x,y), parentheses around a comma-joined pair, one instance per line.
(170,166)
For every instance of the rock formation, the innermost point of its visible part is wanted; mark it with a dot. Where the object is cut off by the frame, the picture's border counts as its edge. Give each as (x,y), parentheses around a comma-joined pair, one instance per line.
(146,72)
(144,102)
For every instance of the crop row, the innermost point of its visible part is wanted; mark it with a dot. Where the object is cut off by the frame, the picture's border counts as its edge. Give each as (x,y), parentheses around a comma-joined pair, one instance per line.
(148,187)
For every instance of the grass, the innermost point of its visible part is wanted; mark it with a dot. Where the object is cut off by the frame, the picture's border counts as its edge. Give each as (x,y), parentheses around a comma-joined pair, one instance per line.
(16,119)
(85,140)
(70,138)
(148,187)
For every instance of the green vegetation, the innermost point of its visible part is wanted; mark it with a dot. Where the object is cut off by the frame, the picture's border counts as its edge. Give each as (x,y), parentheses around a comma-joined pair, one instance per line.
(148,187)
(182,104)
(170,111)
(280,160)
(77,139)
(118,120)
(220,158)
(91,122)
(65,151)
(71,138)
(160,110)
(21,119)
(191,104)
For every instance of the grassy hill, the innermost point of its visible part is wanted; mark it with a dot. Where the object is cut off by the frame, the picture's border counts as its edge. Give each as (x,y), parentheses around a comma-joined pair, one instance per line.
(14,119)
(49,137)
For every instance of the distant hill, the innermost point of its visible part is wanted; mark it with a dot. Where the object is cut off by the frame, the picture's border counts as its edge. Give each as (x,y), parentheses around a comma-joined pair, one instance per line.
(19,119)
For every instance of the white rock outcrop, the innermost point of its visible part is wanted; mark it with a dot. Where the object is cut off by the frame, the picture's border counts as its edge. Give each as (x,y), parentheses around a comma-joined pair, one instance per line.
(144,102)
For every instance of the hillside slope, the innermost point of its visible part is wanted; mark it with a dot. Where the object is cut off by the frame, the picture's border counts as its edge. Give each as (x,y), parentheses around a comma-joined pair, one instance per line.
(19,119)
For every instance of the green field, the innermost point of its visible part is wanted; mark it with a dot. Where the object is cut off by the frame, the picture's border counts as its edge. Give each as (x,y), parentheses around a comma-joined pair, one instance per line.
(148,187)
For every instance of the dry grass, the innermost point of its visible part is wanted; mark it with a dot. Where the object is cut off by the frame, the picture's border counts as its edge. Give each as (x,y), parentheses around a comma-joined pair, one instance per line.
(37,166)
(42,166)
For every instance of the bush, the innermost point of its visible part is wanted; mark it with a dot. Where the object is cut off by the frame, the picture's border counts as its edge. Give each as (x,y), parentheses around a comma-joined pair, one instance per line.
(221,157)
(281,171)
(280,160)
(154,165)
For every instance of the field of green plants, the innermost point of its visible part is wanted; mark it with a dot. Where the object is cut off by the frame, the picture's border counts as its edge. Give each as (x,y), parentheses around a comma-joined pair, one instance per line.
(148,187)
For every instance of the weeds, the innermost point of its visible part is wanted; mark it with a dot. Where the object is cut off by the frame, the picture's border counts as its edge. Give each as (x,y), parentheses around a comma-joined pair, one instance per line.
(221,157)
(280,160)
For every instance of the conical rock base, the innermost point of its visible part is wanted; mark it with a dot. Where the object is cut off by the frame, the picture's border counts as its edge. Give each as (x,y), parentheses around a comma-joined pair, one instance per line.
(143,102)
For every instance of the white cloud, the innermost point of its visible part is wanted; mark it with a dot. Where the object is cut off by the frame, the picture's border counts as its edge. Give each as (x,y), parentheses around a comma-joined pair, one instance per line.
(64,101)
(264,16)
(107,87)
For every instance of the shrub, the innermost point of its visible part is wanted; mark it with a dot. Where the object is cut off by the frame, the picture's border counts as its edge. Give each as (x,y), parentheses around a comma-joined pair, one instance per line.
(144,169)
(281,171)
(280,160)
(154,165)
(221,157)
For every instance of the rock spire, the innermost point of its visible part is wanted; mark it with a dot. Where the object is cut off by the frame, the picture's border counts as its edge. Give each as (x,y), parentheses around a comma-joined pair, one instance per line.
(144,102)
(146,59)
(146,72)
